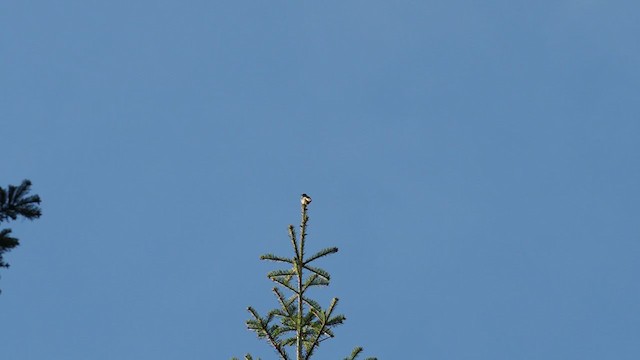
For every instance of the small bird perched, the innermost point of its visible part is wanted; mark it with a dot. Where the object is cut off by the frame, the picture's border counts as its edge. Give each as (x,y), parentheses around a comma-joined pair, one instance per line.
(305,199)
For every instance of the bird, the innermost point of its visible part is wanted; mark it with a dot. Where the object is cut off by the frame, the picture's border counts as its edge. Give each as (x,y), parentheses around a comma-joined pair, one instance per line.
(305,199)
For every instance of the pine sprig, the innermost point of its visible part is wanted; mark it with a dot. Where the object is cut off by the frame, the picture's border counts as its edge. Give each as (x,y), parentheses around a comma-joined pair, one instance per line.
(276,258)
(356,352)
(299,321)
(16,202)
(321,253)
(320,272)
(264,330)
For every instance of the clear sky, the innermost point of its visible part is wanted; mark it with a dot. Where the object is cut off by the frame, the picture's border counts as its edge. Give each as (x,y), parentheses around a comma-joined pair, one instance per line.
(476,163)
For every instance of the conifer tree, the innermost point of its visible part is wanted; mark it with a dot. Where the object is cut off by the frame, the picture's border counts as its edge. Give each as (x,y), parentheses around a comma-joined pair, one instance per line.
(15,202)
(299,322)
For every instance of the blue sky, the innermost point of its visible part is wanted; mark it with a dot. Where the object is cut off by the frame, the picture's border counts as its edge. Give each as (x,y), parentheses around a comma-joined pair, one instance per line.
(477,164)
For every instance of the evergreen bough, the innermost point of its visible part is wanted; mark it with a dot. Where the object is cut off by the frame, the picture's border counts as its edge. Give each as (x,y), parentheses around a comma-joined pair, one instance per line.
(15,202)
(299,322)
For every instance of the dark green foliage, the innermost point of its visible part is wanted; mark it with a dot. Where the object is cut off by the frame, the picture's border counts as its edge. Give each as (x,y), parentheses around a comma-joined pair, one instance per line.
(15,202)
(355,353)
(299,321)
